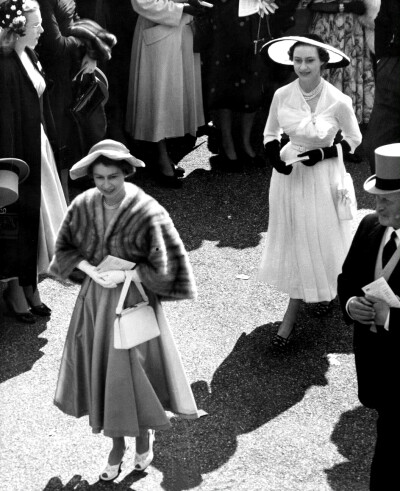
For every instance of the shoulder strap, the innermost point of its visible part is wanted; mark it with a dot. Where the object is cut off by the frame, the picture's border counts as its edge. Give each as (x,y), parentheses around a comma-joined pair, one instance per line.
(125,288)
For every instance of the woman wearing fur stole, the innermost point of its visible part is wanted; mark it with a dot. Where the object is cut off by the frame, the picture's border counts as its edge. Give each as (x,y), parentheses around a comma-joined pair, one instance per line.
(125,392)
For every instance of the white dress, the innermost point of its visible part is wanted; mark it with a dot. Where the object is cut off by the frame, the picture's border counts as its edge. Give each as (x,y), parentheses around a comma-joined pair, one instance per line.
(53,205)
(306,242)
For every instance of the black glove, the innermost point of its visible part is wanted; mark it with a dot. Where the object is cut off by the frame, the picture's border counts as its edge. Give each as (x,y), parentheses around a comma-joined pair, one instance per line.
(319,154)
(272,148)
(356,7)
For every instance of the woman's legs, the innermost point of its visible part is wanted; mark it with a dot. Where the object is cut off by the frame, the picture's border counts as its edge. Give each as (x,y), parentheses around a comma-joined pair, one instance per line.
(246,125)
(165,164)
(225,117)
(289,318)
(16,297)
(117,451)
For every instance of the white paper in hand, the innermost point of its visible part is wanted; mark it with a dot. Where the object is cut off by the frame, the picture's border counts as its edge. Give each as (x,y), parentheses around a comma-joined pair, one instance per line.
(296,160)
(112,262)
(381,290)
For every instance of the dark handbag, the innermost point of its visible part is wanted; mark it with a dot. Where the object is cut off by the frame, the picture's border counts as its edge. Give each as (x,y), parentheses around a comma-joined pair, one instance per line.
(90,95)
(90,90)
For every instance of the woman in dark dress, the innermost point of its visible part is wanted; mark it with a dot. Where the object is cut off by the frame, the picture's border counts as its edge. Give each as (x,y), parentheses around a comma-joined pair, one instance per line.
(236,76)
(28,227)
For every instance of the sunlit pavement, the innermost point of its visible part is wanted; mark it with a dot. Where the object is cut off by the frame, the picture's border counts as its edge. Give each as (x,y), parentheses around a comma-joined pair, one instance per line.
(276,422)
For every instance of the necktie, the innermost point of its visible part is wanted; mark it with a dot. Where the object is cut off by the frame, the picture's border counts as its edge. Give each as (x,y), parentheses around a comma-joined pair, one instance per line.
(389,249)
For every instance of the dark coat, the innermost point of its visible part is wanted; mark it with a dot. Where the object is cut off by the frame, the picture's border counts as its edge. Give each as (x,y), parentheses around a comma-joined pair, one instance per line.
(61,55)
(21,114)
(376,354)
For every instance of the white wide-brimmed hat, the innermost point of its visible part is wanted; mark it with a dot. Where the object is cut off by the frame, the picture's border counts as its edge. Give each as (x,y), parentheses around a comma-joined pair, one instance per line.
(108,148)
(387,167)
(12,172)
(278,51)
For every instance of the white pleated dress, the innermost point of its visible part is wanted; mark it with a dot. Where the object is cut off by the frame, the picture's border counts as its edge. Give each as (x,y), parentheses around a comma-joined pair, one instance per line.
(306,242)
(53,205)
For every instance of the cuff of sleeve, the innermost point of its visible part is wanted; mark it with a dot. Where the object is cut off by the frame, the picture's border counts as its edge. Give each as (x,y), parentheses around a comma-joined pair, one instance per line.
(347,306)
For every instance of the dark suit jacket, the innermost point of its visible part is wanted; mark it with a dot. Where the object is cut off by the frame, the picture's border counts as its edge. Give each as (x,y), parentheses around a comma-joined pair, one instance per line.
(376,354)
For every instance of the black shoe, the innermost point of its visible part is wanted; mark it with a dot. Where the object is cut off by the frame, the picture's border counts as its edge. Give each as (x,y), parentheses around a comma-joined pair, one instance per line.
(25,317)
(41,310)
(179,171)
(222,163)
(167,181)
(248,160)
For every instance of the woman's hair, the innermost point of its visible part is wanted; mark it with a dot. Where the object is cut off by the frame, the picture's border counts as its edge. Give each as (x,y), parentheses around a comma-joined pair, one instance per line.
(125,166)
(9,35)
(322,53)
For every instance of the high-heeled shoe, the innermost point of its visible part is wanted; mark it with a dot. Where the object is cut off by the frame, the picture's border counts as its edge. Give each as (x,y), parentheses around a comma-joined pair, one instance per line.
(41,309)
(110,472)
(167,181)
(222,163)
(143,460)
(179,171)
(26,317)
(281,342)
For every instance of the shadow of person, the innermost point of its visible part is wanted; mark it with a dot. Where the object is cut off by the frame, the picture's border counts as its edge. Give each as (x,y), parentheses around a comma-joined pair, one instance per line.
(354,435)
(20,346)
(252,386)
(228,209)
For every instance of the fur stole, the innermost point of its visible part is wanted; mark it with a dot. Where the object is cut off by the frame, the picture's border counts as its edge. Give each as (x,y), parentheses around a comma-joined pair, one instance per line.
(140,231)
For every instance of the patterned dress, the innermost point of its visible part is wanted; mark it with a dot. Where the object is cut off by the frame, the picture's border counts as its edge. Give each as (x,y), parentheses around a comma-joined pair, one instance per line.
(345,32)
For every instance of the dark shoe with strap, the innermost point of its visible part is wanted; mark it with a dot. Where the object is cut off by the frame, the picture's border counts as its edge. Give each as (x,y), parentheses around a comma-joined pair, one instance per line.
(279,341)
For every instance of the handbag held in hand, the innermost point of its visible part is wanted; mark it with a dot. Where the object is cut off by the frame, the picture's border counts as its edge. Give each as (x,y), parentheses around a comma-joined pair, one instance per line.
(346,196)
(134,325)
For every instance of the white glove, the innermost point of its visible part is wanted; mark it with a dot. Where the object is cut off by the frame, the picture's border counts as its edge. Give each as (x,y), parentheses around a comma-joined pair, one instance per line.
(91,271)
(113,277)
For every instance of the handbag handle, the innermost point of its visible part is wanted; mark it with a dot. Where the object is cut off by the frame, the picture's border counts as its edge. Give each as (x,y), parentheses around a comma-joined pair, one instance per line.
(125,288)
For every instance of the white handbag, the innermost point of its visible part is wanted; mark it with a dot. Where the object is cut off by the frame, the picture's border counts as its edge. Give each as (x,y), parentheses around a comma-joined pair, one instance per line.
(134,325)
(346,196)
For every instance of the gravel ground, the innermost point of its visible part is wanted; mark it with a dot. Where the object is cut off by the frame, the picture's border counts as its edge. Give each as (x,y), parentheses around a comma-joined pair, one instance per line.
(276,422)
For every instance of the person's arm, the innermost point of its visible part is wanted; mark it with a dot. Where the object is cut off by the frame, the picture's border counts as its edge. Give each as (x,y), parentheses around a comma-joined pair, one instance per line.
(166,270)
(272,130)
(352,299)
(351,136)
(54,42)
(383,30)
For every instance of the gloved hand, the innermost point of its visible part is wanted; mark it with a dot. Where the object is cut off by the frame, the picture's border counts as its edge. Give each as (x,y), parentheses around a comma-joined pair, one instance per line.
(113,277)
(355,7)
(97,40)
(91,271)
(194,8)
(319,154)
(272,148)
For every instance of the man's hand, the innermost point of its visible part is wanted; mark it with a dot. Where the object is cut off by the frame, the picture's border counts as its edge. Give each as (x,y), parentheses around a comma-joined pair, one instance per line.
(381,310)
(362,310)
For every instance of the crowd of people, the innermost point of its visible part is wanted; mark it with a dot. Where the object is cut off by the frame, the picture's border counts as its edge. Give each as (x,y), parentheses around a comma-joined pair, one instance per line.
(313,125)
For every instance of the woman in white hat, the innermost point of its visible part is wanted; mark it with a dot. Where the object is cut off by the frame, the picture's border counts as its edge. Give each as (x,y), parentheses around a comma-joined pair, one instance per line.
(306,241)
(124,391)
(26,125)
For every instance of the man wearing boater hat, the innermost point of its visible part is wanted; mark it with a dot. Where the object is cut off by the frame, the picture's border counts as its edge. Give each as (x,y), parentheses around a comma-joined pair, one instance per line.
(375,253)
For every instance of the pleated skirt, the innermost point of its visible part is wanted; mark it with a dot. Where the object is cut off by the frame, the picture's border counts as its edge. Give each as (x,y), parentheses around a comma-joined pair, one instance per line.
(122,391)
